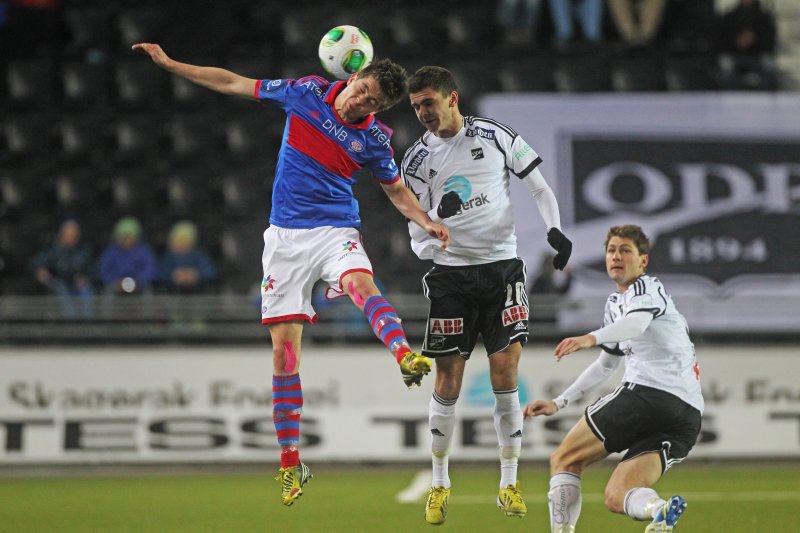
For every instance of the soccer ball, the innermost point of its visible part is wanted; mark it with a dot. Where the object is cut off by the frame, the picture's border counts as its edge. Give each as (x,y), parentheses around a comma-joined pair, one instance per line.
(345,50)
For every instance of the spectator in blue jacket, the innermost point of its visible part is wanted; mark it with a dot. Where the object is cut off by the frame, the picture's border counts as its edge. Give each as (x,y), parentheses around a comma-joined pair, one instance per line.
(65,269)
(128,264)
(184,267)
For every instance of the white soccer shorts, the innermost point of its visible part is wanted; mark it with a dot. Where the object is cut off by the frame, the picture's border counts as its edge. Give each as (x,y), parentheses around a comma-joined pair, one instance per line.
(295,259)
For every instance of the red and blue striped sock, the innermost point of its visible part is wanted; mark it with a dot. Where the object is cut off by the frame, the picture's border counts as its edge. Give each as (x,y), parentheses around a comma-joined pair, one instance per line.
(287,404)
(386,325)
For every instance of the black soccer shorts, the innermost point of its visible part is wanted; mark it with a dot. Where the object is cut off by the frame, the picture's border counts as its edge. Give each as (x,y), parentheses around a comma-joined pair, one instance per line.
(642,419)
(467,301)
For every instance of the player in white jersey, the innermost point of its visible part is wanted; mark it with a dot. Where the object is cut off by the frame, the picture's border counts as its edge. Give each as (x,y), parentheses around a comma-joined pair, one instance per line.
(460,170)
(654,414)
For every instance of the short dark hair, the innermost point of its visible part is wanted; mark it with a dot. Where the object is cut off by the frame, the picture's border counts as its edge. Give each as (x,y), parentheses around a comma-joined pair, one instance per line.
(437,78)
(632,232)
(391,78)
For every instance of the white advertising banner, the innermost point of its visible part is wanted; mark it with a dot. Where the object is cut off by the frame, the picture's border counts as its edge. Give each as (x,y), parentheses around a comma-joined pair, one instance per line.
(136,405)
(713,178)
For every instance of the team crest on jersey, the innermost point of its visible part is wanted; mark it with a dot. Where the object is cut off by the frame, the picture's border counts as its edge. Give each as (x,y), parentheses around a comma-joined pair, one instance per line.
(356,146)
(514,314)
(349,246)
(446,326)
(477,153)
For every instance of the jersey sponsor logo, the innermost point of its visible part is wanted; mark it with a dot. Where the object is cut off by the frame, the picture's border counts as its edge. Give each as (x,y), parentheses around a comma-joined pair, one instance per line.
(335,131)
(349,246)
(356,146)
(519,154)
(313,86)
(460,185)
(416,161)
(435,342)
(446,326)
(477,153)
(483,133)
(381,136)
(514,314)
(268,283)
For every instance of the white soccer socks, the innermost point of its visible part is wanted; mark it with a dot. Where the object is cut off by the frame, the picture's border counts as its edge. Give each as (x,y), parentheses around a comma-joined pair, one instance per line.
(508,425)
(564,500)
(442,420)
(642,503)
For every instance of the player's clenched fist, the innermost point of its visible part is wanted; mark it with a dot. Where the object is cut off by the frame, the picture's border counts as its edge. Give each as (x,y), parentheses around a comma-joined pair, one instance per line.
(449,205)
(540,407)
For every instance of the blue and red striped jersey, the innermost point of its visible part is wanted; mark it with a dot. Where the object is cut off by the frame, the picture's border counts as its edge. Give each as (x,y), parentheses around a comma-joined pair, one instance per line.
(320,155)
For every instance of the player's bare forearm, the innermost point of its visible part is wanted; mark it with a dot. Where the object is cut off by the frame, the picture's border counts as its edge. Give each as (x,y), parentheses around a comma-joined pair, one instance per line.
(406,202)
(573,344)
(217,79)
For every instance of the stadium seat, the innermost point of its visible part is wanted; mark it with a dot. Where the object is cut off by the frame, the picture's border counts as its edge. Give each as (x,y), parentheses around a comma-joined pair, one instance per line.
(88,28)
(638,74)
(84,138)
(137,138)
(240,262)
(85,86)
(18,245)
(473,80)
(134,191)
(469,29)
(76,192)
(580,74)
(140,25)
(696,73)
(256,134)
(139,84)
(192,136)
(245,190)
(527,74)
(30,84)
(28,137)
(190,192)
(25,192)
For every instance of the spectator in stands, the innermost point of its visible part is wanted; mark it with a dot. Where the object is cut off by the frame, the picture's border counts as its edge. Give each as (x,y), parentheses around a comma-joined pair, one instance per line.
(587,13)
(184,267)
(128,264)
(747,47)
(519,20)
(637,21)
(65,269)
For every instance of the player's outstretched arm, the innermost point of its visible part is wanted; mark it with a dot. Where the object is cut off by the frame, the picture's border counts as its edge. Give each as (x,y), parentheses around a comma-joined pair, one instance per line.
(406,202)
(540,407)
(217,79)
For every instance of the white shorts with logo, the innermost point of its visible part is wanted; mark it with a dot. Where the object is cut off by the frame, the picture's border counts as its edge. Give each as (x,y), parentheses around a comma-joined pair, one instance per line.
(295,259)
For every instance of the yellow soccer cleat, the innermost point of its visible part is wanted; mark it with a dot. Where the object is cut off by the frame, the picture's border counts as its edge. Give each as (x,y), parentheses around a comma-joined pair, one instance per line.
(510,501)
(413,366)
(436,507)
(292,479)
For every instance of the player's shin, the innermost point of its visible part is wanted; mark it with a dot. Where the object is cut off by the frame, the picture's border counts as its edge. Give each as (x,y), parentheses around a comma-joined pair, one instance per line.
(508,425)
(287,405)
(642,503)
(386,325)
(442,421)
(564,501)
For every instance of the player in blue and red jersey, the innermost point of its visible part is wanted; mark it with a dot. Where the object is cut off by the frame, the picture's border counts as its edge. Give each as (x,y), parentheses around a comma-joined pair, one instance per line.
(314,235)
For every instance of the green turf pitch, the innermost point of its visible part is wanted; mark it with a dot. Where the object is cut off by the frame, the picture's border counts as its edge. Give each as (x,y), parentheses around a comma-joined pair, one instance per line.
(721,499)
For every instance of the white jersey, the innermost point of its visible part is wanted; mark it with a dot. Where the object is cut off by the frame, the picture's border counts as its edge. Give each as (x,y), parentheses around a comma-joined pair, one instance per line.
(662,357)
(475,163)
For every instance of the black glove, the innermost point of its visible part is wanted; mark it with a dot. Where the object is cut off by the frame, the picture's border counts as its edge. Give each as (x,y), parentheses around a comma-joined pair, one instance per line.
(449,205)
(560,244)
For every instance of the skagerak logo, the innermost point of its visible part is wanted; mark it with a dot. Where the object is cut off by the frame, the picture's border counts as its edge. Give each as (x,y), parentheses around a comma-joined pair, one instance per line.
(715,208)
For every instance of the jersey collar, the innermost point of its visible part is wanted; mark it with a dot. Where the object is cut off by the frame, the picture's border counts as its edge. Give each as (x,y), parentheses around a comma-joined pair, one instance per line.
(330,97)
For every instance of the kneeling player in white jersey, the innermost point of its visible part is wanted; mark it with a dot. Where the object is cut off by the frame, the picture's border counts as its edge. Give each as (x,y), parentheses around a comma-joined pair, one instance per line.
(460,170)
(654,414)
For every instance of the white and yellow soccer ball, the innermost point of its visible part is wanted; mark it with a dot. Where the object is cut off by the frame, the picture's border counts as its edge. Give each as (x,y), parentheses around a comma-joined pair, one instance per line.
(345,50)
